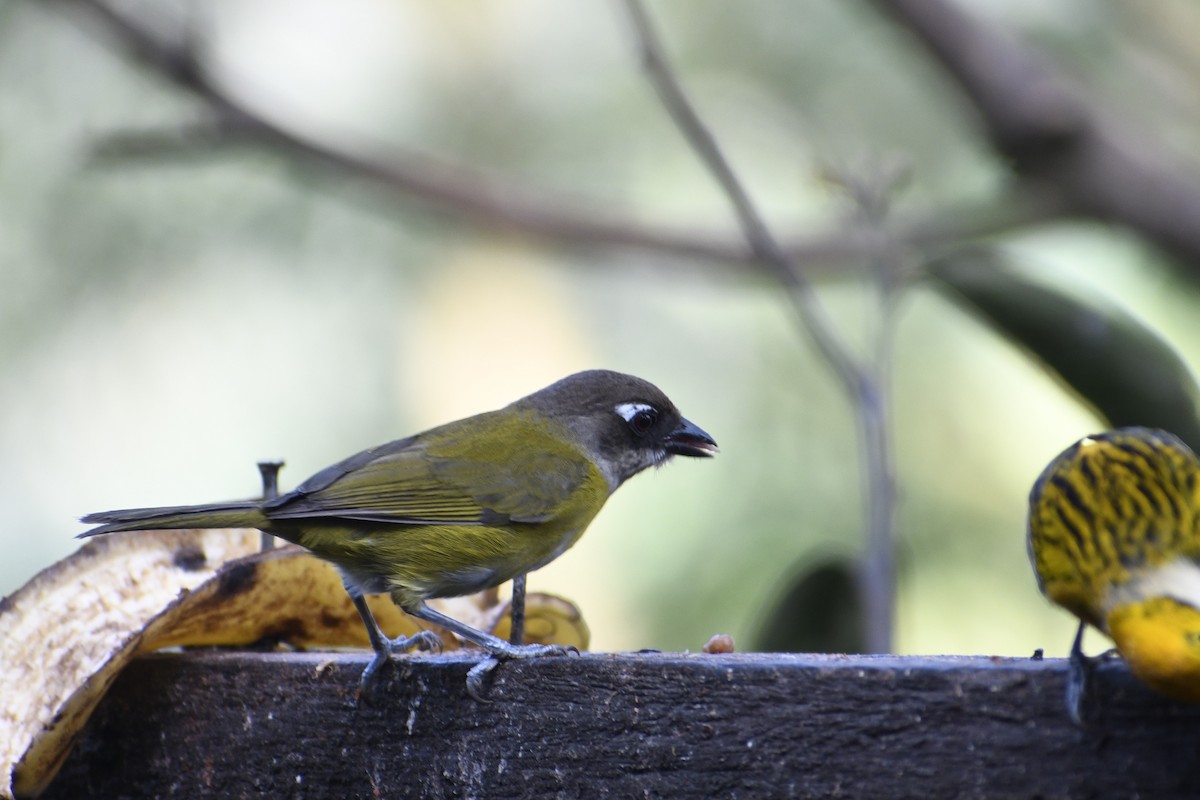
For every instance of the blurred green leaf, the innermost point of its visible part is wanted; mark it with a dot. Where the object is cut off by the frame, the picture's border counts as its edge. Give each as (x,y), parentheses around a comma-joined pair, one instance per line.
(1117,364)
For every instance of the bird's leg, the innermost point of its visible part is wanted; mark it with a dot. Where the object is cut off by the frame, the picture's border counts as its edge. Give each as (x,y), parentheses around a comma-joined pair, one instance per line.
(382,645)
(499,649)
(516,637)
(516,612)
(269,470)
(1079,678)
(493,644)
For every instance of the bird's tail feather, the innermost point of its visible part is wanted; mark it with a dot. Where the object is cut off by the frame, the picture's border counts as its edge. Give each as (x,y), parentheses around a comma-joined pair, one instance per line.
(247,514)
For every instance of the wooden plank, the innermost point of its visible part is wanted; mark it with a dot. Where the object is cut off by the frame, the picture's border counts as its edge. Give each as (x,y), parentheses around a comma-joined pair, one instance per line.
(630,725)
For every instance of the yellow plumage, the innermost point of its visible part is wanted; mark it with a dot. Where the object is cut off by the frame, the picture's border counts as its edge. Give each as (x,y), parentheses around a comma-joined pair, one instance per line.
(1113,539)
(435,518)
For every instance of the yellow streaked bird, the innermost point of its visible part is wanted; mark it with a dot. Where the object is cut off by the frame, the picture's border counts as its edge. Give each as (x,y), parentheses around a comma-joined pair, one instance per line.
(1113,539)
(464,506)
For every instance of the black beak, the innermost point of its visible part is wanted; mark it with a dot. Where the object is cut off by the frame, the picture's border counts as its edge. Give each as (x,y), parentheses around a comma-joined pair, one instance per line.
(689,440)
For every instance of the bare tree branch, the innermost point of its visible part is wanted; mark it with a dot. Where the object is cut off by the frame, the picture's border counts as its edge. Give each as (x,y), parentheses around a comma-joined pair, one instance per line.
(879,580)
(486,199)
(762,242)
(1097,166)
(1073,161)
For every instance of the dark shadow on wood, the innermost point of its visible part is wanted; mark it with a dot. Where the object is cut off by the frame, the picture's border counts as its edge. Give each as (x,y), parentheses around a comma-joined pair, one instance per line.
(656,725)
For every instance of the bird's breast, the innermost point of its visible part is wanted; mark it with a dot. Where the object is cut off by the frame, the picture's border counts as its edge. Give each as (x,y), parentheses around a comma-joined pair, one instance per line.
(1160,640)
(1178,579)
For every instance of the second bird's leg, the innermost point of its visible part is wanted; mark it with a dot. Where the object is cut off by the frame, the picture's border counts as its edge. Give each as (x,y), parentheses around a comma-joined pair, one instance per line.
(1079,678)
(269,470)
(382,645)
(516,612)
(499,649)
(516,636)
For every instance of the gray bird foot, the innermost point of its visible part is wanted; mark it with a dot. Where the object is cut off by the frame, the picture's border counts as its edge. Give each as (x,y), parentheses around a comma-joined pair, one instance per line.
(1080,669)
(480,672)
(425,640)
(1079,682)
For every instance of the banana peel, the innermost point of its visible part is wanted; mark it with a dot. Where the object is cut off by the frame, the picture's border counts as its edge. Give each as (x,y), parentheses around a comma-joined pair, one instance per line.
(548,620)
(65,635)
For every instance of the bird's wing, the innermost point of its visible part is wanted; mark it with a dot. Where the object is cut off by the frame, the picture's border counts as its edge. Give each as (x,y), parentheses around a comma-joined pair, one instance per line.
(531,487)
(513,471)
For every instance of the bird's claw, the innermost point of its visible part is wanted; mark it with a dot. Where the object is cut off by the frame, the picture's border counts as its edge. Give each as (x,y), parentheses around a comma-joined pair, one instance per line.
(426,641)
(479,673)
(1079,688)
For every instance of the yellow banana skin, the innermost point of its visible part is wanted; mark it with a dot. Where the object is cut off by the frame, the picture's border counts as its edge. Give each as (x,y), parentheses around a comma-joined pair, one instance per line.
(1113,539)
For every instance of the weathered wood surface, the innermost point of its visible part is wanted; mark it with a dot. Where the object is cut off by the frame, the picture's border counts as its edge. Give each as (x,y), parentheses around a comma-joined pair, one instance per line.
(630,725)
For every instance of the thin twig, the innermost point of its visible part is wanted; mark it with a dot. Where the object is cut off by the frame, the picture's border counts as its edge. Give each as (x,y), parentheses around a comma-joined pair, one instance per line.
(878,590)
(762,242)
(877,573)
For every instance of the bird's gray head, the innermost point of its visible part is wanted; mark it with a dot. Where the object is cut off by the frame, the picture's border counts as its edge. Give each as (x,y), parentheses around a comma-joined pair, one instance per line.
(624,423)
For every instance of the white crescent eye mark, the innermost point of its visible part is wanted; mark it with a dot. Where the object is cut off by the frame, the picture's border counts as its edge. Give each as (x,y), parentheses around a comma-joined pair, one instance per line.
(630,410)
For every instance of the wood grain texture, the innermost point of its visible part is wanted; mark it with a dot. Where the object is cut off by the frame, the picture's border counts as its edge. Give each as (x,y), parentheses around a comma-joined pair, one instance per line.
(628,725)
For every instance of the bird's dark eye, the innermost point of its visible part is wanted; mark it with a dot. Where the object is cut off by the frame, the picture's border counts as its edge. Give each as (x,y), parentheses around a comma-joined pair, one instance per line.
(641,417)
(643,420)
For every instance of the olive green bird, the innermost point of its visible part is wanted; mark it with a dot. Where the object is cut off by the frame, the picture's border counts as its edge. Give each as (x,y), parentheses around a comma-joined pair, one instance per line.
(1113,539)
(461,507)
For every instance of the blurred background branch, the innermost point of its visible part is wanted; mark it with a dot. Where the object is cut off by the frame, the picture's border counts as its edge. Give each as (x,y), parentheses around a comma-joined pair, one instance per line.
(1076,160)
(489,199)
(1089,157)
